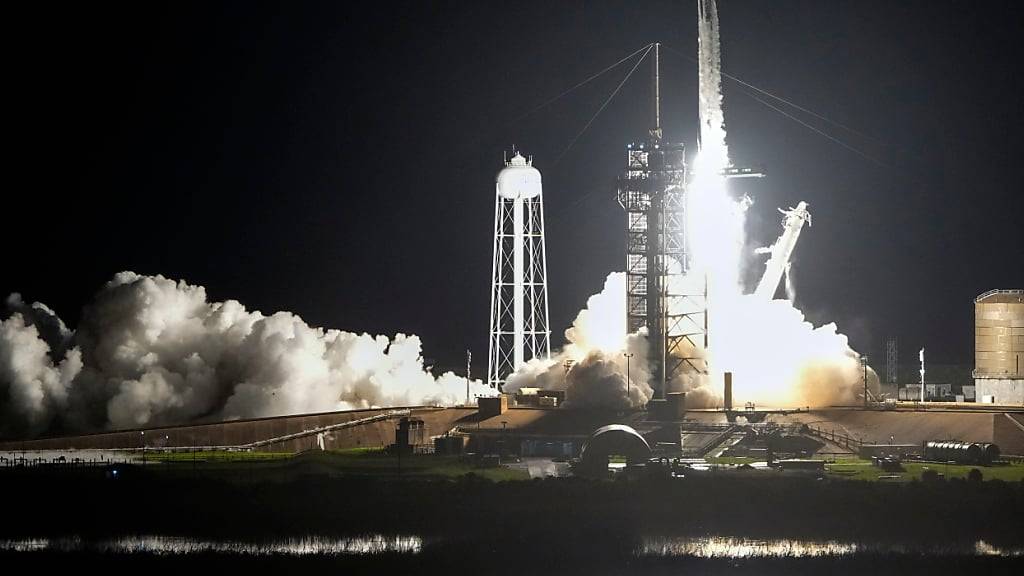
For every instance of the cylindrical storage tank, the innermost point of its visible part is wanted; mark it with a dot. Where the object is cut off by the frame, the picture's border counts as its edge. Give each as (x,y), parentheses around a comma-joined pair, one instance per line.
(963,452)
(989,453)
(973,453)
(999,334)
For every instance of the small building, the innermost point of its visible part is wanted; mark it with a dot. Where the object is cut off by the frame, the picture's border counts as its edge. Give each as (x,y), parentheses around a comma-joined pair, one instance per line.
(932,392)
(527,397)
(489,407)
(410,435)
(450,444)
(553,447)
(539,398)
(967,394)
(558,395)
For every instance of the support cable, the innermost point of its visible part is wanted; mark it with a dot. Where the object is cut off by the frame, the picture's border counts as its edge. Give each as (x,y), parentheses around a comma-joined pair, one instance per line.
(603,106)
(800,108)
(580,85)
(856,151)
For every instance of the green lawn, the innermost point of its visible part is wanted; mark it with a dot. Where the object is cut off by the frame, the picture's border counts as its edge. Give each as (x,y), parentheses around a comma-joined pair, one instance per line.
(860,469)
(733,460)
(355,462)
(216,456)
(378,463)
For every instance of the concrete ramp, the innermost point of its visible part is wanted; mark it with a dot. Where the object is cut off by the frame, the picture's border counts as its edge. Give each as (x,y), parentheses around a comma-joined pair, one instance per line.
(901,427)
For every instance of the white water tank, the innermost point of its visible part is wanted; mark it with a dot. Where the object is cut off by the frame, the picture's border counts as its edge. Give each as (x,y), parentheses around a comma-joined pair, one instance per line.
(519,179)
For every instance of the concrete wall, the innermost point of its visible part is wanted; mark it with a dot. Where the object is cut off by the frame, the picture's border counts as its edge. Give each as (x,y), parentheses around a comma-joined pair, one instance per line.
(375,434)
(1006,391)
(1008,433)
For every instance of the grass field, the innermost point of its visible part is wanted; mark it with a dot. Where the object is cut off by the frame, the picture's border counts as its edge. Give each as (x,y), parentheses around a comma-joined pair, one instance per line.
(860,469)
(357,462)
(216,456)
(377,463)
(733,460)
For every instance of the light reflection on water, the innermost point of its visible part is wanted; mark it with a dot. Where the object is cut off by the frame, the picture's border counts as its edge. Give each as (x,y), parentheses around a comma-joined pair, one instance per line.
(708,547)
(725,547)
(175,545)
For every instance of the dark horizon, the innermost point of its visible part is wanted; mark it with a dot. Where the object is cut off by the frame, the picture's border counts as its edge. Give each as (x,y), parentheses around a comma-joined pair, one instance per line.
(338,162)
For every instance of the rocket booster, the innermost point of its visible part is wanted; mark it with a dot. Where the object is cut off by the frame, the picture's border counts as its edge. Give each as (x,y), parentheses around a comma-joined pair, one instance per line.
(782,250)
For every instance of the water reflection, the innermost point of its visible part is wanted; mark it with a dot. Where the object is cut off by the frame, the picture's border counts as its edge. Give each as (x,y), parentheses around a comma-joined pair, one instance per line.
(706,547)
(724,547)
(174,545)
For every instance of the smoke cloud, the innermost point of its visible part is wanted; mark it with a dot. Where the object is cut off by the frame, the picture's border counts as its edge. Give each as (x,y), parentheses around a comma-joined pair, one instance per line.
(36,369)
(591,368)
(152,351)
(778,358)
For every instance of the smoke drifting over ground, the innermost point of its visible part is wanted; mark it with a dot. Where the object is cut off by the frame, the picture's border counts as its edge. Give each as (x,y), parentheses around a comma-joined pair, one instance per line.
(777,358)
(591,368)
(153,351)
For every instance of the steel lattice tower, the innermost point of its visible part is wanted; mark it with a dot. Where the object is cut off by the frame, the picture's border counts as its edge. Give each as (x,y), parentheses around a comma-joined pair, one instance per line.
(891,361)
(652,191)
(519,285)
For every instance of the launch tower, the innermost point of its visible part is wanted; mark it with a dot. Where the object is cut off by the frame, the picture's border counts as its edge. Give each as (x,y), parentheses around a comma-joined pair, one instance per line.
(652,191)
(519,274)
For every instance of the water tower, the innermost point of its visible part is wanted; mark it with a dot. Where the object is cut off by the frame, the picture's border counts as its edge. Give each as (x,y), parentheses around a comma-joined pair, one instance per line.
(519,276)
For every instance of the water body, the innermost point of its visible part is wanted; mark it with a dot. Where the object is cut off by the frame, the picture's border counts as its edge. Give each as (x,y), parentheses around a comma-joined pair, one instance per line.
(728,547)
(183,546)
(713,547)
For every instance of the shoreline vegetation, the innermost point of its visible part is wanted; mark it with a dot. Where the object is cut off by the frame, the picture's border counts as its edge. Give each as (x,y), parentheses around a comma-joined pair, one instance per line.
(482,516)
(327,494)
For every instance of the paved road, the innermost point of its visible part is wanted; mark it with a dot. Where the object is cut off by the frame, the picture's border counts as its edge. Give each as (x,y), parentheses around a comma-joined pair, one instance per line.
(541,467)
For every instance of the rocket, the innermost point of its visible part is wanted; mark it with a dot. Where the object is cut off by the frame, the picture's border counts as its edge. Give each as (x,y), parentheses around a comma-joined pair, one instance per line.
(782,250)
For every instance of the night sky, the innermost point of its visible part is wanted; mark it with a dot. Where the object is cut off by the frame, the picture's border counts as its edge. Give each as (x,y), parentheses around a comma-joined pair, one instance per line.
(337,159)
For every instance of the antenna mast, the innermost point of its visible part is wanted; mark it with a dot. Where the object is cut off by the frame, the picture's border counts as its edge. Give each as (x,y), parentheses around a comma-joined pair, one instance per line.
(656,93)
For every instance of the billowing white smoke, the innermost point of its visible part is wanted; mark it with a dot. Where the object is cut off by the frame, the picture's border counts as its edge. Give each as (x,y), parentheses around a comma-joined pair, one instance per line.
(153,351)
(36,370)
(777,358)
(591,368)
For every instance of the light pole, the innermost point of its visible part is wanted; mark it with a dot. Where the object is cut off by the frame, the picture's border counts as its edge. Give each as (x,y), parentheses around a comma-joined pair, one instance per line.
(864,365)
(628,355)
(142,439)
(469,360)
(921,356)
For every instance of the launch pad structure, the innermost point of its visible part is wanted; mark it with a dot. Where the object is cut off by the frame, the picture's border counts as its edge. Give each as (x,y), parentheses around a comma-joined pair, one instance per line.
(652,191)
